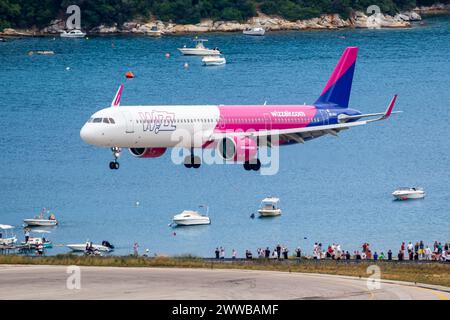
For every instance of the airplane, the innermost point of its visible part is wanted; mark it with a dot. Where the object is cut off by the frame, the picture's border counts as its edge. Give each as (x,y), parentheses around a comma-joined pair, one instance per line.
(236,131)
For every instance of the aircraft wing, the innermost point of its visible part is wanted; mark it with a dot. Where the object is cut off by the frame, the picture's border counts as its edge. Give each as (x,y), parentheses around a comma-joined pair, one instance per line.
(299,135)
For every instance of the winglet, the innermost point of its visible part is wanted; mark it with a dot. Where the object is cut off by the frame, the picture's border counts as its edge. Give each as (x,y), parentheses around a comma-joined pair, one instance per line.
(116,100)
(388,112)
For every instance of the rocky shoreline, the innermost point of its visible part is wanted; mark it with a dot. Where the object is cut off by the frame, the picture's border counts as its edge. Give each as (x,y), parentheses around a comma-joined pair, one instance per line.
(271,23)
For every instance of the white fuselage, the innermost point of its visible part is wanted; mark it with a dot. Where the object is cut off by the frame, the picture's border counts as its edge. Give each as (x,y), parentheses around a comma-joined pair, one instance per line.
(151,126)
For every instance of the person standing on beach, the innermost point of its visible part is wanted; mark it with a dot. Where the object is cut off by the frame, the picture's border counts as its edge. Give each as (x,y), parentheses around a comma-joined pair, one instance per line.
(298,252)
(136,249)
(233,254)
(390,255)
(222,253)
(278,251)
(27,234)
(217,252)
(285,253)
(267,253)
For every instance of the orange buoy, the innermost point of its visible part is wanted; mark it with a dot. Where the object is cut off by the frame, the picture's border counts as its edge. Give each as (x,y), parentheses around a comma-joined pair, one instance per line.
(129,75)
(167,55)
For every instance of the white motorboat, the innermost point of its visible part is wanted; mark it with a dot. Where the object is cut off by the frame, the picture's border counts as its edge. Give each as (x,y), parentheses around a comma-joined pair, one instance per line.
(200,49)
(7,236)
(269,207)
(409,193)
(191,218)
(83,247)
(154,32)
(255,31)
(34,241)
(75,33)
(41,220)
(214,60)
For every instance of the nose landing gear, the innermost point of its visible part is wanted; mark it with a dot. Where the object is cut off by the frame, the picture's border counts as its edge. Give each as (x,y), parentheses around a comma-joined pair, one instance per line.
(114,165)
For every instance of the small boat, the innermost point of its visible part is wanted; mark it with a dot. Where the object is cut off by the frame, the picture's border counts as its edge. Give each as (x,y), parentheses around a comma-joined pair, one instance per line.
(255,31)
(154,32)
(200,49)
(75,33)
(45,52)
(214,60)
(41,221)
(34,241)
(269,207)
(84,246)
(191,218)
(7,236)
(408,193)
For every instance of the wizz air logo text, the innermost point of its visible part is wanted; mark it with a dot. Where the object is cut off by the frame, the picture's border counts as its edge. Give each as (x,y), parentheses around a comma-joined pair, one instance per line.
(157,121)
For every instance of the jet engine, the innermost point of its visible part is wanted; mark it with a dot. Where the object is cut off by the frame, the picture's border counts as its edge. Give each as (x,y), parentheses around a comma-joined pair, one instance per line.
(147,152)
(237,148)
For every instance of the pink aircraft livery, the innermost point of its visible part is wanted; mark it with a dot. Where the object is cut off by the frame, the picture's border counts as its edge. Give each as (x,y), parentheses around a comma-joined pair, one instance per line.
(235,131)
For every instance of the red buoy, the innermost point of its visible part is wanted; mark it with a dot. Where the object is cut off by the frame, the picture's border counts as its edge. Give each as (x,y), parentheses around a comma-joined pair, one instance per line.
(129,75)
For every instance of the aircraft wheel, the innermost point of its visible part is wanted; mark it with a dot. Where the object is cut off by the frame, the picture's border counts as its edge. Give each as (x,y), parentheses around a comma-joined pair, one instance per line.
(112,165)
(247,166)
(256,166)
(196,162)
(116,165)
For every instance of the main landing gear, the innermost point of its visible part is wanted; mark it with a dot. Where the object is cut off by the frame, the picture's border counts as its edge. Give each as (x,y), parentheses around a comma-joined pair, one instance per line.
(114,165)
(192,161)
(251,165)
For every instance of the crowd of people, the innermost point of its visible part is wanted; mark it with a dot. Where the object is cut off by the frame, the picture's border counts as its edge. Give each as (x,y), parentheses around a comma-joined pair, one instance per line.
(417,251)
(278,252)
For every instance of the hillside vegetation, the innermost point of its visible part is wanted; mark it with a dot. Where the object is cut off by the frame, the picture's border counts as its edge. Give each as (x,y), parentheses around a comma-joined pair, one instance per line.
(39,13)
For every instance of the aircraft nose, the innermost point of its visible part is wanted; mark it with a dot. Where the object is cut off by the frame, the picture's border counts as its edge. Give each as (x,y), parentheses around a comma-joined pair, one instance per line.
(86,134)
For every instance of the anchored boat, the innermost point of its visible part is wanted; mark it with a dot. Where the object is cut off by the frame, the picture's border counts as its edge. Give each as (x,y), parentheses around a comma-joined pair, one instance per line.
(85,247)
(7,236)
(408,193)
(255,31)
(75,33)
(214,60)
(199,49)
(34,241)
(269,207)
(191,218)
(41,221)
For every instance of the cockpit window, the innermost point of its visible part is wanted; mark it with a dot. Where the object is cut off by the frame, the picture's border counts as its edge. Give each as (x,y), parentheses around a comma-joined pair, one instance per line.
(111,120)
(97,120)
(105,120)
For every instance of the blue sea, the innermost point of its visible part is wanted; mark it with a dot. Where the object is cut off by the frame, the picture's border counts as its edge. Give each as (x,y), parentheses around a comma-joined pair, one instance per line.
(332,190)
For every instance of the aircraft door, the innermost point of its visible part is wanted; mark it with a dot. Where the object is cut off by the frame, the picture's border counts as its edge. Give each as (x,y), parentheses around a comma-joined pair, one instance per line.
(129,121)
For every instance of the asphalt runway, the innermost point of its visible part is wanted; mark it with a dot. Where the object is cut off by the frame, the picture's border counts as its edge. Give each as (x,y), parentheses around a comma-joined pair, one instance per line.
(50,282)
